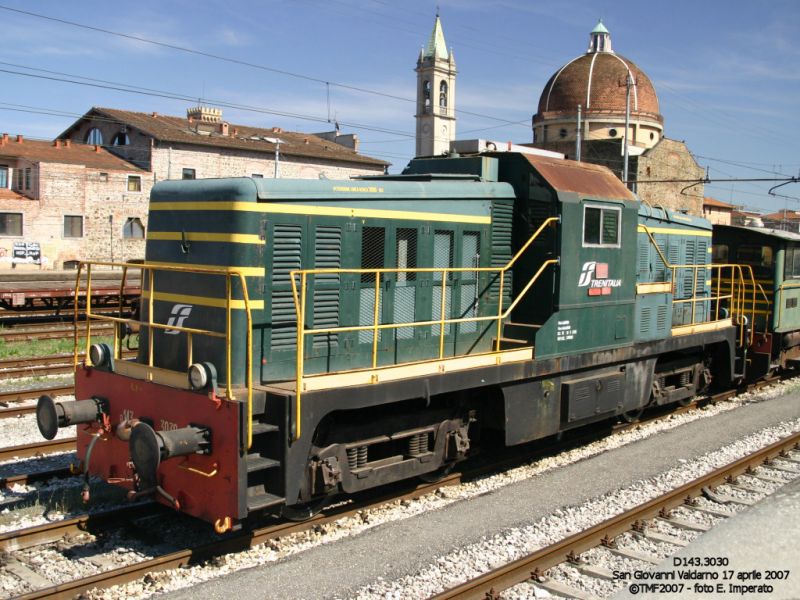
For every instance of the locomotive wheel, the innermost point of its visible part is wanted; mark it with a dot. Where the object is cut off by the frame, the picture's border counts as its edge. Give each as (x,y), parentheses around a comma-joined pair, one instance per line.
(303,512)
(632,416)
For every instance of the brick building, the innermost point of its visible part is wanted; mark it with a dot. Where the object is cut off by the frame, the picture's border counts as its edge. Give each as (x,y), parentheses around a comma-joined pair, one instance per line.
(718,212)
(84,196)
(61,202)
(203,145)
(588,97)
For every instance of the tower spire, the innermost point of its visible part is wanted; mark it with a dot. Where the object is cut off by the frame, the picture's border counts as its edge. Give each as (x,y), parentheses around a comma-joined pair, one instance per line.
(436,86)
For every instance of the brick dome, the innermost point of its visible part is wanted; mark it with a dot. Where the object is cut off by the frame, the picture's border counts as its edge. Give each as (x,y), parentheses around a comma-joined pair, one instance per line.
(596,82)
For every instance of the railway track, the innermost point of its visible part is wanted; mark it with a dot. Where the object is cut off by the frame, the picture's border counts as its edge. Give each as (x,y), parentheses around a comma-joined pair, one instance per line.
(7,398)
(48,331)
(46,365)
(533,566)
(37,449)
(52,532)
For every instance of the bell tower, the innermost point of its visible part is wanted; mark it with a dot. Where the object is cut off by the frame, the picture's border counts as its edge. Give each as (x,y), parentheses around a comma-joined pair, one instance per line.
(436,95)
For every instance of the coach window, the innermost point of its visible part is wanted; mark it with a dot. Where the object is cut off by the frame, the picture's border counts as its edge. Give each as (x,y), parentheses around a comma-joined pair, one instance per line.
(792,268)
(134,183)
(601,226)
(73,226)
(719,253)
(11,224)
(189,174)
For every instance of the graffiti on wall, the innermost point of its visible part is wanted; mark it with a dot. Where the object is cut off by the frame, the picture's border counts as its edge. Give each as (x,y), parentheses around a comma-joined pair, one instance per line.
(29,253)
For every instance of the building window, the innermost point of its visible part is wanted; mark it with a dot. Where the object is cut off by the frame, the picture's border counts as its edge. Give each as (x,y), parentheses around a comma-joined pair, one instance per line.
(103,176)
(133,229)
(11,224)
(121,139)
(27,178)
(189,174)
(94,136)
(601,226)
(134,183)
(71,265)
(3,177)
(257,176)
(73,226)
(612,133)
(562,132)
(19,179)
(443,94)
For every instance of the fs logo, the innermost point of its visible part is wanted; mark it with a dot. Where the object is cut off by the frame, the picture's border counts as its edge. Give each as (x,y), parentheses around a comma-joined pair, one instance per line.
(179,313)
(586,273)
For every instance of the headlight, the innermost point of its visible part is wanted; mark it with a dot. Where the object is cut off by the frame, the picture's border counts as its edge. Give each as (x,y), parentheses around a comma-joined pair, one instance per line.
(99,354)
(201,375)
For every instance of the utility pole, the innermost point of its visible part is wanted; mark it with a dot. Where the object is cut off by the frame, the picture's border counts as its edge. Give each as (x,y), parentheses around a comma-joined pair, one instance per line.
(628,83)
(578,136)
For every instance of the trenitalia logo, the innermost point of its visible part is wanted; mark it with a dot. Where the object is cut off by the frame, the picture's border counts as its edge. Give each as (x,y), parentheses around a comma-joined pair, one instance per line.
(594,275)
(179,313)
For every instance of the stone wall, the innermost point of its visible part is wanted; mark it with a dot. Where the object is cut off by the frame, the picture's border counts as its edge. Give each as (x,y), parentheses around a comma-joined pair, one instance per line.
(169,161)
(671,159)
(74,190)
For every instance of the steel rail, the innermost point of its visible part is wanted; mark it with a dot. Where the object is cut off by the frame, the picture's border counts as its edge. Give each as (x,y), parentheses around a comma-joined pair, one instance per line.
(34,393)
(230,543)
(21,539)
(26,478)
(10,335)
(46,365)
(52,532)
(37,449)
(533,565)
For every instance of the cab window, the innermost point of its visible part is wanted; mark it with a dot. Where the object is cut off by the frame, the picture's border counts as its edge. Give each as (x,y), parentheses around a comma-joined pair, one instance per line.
(601,226)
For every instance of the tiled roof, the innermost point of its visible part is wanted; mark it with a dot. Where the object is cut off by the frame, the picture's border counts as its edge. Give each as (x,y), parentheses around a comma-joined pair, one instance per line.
(788,215)
(166,128)
(716,203)
(74,154)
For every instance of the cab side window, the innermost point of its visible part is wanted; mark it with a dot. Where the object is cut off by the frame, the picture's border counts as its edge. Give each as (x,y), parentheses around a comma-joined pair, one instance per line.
(601,226)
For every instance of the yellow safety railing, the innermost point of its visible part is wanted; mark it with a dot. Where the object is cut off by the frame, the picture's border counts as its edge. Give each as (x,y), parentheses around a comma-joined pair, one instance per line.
(733,283)
(740,281)
(230,273)
(300,294)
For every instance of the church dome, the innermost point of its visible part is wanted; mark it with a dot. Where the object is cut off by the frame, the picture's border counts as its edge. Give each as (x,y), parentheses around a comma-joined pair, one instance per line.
(596,82)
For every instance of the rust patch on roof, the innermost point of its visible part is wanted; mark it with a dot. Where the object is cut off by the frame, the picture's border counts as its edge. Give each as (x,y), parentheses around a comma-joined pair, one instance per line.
(581,178)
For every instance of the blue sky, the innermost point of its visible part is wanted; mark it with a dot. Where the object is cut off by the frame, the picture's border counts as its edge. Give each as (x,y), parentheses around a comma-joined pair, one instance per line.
(726,72)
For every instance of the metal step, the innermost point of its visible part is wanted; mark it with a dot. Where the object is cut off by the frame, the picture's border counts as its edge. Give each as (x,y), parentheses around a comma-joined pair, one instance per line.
(259,428)
(513,343)
(262,501)
(256,462)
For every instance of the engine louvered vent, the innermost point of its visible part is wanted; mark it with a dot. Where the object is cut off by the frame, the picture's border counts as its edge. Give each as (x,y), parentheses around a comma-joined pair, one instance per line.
(502,215)
(286,257)
(327,255)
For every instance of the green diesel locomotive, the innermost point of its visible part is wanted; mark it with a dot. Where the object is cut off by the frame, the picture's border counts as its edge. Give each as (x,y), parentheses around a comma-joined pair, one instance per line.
(299,339)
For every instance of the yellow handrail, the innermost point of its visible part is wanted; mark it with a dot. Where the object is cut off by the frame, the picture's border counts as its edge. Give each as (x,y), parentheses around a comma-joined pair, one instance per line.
(150,324)
(300,299)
